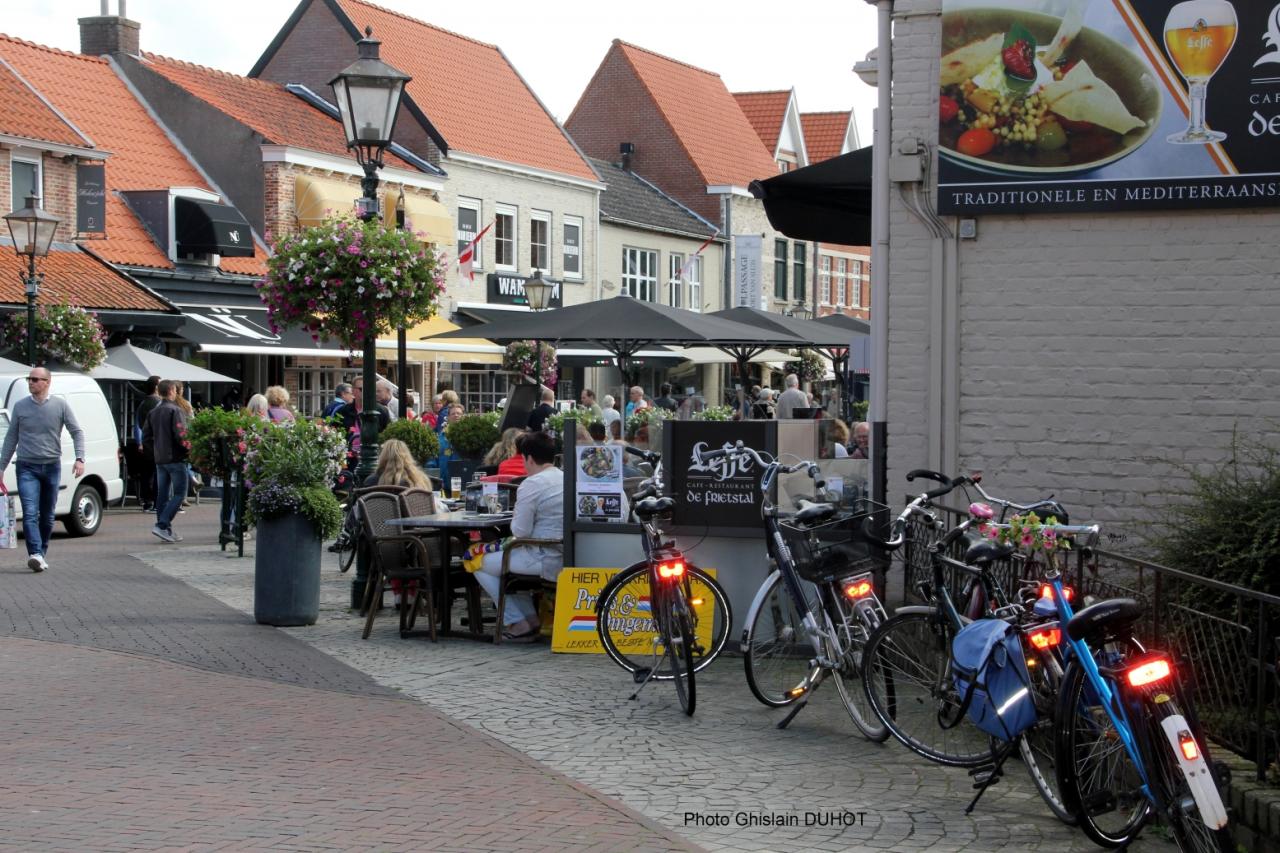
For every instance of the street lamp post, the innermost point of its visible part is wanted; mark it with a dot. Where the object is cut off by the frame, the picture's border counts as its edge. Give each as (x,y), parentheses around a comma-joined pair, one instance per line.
(32,230)
(537,291)
(368,93)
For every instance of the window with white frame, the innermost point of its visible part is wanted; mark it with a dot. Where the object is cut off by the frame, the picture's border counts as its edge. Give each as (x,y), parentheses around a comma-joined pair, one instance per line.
(675,263)
(540,241)
(799,259)
(640,273)
(824,280)
(469,227)
(693,279)
(573,247)
(504,237)
(841,267)
(855,284)
(27,180)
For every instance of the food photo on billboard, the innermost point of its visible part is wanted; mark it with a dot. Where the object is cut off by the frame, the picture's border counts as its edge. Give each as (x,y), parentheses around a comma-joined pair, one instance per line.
(1084,105)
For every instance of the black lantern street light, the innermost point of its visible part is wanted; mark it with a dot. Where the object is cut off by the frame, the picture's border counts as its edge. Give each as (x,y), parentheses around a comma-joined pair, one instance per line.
(537,291)
(368,93)
(32,231)
(800,311)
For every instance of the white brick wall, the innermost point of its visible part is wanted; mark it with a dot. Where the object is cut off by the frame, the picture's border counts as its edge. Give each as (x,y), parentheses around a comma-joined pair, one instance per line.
(1097,352)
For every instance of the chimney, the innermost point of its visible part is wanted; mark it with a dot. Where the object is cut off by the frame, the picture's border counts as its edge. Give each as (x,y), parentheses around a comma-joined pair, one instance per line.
(627,149)
(108,33)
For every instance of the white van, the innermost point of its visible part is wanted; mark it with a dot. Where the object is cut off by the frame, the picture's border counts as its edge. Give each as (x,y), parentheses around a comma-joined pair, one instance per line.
(80,501)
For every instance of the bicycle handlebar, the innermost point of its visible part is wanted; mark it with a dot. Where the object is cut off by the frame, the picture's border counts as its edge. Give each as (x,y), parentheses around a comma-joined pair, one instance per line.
(928,475)
(811,468)
(647,455)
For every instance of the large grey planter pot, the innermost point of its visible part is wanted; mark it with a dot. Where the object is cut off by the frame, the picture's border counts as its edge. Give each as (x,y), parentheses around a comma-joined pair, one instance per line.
(286,576)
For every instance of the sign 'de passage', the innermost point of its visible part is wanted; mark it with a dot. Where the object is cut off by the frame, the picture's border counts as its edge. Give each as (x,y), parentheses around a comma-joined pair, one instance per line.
(1072,106)
(631,620)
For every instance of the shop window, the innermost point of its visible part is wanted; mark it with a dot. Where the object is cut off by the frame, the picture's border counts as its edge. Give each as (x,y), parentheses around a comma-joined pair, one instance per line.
(640,273)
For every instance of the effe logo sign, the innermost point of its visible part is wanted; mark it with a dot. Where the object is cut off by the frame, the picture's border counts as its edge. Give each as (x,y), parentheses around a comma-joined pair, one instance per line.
(1110,105)
(722,493)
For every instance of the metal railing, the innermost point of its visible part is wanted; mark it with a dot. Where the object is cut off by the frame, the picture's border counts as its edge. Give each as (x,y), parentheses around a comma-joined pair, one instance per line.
(1228,636)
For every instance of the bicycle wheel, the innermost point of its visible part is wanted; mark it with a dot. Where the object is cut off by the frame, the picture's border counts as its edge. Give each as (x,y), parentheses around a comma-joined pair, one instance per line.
(677,633)
(851,672)
(913,651)
(347,554)
(1185,820)
(777,652)
(625,626)
(1036,743)
(1097,779)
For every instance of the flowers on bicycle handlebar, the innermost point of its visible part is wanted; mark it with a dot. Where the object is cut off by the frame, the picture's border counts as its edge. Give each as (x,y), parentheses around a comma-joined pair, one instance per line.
(1029,534)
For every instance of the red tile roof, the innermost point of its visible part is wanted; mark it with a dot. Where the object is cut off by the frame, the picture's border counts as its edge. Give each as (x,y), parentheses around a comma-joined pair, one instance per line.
(87,91)
(281,117)
(824,133)
(470,92)
(77,278)
(765,111)
(705,118)
(24,114)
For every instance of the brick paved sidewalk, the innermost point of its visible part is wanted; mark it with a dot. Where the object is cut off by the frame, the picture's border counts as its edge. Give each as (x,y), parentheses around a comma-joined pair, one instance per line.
(110,751)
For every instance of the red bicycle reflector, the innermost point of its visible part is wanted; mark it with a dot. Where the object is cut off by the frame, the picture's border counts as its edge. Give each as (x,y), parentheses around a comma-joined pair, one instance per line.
(1190,750)
(1046,591)
(1149,672)
(673,569)
(856,589)
(1046,638)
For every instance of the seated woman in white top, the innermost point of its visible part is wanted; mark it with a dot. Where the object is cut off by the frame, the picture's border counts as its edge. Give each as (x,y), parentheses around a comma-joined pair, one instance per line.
(539,514)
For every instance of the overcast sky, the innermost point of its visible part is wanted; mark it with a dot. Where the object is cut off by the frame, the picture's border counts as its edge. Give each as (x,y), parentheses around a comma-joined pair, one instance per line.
(810,45)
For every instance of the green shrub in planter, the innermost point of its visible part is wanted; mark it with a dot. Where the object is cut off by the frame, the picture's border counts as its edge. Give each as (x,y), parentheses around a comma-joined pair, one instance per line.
(421,438)
(472,435)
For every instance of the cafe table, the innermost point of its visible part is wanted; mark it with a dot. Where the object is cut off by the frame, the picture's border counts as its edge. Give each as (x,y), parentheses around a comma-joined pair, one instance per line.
(453,524)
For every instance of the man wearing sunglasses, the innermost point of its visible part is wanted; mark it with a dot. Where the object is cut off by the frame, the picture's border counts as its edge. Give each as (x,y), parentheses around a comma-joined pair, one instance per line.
(36,433)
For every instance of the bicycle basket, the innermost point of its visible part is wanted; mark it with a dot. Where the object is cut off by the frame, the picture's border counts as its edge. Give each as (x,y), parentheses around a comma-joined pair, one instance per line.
(842,546)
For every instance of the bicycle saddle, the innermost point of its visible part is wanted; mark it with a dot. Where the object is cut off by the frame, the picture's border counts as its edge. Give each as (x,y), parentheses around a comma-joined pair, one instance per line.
(654,506)
(810,512)
(986,553)
(1106,617)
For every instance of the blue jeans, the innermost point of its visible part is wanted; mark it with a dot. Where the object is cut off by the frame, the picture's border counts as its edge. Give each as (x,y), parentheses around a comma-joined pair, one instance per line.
(172,481)
(38,491)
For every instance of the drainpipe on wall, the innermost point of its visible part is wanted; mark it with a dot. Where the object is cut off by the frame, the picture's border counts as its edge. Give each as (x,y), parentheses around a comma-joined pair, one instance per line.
(881,140)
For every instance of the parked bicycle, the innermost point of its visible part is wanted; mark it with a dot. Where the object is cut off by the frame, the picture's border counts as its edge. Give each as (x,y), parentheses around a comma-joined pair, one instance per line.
(662,618)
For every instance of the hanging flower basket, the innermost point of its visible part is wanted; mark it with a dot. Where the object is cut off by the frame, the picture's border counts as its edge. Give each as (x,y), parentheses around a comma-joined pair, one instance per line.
(346,280)
(63,333)
(519,358)
(808,367)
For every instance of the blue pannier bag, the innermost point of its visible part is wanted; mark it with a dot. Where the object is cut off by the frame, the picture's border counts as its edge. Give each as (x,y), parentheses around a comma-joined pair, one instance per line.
(991,678)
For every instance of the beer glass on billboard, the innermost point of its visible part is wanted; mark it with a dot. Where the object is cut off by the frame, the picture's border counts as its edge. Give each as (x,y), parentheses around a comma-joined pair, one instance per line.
(1198,36)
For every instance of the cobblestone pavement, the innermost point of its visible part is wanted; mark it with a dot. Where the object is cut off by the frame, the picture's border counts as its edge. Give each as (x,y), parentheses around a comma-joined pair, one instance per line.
(715,779)
(141,714)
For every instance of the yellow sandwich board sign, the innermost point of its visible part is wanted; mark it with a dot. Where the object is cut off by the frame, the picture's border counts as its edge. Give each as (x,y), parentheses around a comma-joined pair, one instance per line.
(630,623)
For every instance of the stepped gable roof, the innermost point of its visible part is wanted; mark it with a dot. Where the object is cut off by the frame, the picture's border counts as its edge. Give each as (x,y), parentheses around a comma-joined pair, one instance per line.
(824,133)
(470,92)
(87,91)
(632,200)
(706,120)
(765,111)
(24,113)
(280,116)
(76,277)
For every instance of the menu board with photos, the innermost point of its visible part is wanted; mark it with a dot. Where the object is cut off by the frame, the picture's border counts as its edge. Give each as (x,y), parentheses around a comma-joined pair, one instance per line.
(1052,106)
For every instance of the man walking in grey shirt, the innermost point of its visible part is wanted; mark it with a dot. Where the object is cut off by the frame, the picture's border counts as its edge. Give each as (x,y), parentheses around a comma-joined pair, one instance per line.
(792,398)
(36,432)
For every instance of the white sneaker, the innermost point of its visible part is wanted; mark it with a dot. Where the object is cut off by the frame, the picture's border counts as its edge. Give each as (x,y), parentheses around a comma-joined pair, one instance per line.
(36,563)
(174,534)
(166,535)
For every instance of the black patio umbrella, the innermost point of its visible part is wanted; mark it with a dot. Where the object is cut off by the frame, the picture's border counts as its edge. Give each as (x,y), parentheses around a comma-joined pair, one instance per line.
(852,328)
(845,322)
(829,201)
(623,326)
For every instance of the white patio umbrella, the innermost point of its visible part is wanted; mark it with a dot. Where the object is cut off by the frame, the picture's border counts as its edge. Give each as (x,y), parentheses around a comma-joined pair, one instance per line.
(147,363)
(106,370)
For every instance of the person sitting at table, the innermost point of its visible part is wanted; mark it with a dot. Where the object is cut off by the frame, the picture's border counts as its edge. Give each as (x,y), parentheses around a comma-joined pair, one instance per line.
(449,414)
(504,455)
(538,514)
(396,467)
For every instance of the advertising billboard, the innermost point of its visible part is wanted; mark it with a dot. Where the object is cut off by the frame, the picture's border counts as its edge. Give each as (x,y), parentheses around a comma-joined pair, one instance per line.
(1060,106)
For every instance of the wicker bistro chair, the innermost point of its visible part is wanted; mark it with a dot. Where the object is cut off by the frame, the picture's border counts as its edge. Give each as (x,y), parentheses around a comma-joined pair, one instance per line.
(395,556)
(510,582)
(450,583)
